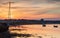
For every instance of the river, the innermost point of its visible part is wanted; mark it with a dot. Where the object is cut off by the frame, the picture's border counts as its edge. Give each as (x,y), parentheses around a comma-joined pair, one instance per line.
(37,31)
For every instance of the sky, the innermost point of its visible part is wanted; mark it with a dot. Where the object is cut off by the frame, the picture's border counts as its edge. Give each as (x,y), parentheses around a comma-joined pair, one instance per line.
(30,9)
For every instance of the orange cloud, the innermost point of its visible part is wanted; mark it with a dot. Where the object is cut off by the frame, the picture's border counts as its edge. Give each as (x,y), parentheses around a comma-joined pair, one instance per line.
(28,12)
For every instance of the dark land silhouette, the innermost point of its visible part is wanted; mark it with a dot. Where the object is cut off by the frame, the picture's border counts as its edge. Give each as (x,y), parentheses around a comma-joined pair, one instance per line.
(25,21)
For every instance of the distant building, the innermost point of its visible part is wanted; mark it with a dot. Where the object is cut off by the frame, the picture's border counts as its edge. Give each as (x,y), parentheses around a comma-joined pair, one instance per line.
(43,23)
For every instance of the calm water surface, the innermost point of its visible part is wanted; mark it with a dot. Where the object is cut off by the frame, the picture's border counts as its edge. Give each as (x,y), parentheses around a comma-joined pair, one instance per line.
(37,31)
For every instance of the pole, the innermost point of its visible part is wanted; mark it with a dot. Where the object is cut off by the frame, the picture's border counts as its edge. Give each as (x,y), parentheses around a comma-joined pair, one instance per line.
(9,13)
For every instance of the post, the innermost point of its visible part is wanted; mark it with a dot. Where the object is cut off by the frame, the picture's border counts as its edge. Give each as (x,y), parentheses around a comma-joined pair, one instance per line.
(9,13)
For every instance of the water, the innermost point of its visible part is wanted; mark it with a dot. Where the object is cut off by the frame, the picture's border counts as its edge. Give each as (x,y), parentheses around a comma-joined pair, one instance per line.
(37,31)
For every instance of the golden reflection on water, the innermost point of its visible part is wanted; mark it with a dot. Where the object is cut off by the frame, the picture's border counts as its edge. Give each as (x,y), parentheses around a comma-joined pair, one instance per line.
(37,30)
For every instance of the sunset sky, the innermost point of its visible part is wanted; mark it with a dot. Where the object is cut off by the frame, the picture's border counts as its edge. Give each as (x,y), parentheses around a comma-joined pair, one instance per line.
(30,9)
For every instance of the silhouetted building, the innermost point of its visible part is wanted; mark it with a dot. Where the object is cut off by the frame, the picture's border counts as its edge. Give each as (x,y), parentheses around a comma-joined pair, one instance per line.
(43,23)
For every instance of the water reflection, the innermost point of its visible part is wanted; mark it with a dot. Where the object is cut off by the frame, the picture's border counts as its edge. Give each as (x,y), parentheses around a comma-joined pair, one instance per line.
(32,31)
(37,31)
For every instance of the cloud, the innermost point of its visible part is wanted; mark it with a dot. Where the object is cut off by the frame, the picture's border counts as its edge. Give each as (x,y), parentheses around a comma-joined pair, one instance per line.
(31,9)
(55,0)
(31,2)
(3,1)
(54,11)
